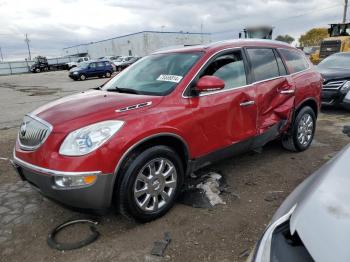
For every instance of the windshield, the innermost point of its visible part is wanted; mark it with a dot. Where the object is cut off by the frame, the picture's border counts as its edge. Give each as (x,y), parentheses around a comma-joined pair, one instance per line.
(83,65)
(340,30)
(156,74)
(336,61)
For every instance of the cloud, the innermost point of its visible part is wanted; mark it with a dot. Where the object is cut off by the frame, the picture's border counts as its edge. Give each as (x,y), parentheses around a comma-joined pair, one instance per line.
(55,24)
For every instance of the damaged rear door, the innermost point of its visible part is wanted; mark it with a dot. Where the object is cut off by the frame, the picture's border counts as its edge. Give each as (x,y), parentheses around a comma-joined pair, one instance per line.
(274,91)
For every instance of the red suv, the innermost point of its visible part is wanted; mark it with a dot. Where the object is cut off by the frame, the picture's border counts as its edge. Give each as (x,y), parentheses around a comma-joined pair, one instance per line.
(133,141)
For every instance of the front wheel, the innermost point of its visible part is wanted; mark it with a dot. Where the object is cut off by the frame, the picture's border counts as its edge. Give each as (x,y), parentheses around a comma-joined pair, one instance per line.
(150,184)
(302,131)
(82,77)
(108,74)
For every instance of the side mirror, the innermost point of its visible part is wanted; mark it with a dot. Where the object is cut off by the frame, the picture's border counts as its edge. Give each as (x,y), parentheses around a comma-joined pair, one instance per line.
(209,83)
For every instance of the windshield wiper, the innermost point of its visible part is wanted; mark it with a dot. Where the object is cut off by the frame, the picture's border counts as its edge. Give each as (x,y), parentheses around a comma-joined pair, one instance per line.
(123,90)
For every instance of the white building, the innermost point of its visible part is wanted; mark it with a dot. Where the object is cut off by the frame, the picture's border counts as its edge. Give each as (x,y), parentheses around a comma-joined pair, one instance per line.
(137,44)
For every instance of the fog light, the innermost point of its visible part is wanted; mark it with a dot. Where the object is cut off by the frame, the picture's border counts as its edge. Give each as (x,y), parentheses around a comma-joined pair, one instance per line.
(74,181)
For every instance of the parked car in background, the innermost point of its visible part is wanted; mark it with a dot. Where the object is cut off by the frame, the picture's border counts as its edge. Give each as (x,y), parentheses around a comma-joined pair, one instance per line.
(121,60)
(133,141)
(91,69)
(80,60)
(313,222)
(309,50)
(335,70)
(128,63)
(109,58)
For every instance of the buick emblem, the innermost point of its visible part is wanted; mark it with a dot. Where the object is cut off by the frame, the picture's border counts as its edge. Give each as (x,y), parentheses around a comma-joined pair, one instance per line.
(23,129)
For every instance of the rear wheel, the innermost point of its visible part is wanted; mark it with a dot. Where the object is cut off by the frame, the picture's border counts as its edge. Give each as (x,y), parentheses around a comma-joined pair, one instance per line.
(37,70)
(82,77)
(302,131)
(150,184)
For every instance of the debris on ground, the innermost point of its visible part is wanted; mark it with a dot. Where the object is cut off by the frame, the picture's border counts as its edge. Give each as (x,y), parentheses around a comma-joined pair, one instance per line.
(346,130)
(51,240)
(4,158)
(161,245)
(244,253)
(273,195)
(204,191)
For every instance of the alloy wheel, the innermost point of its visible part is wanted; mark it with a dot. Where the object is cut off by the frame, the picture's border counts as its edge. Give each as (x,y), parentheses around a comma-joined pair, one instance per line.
(155,185)
(305,129)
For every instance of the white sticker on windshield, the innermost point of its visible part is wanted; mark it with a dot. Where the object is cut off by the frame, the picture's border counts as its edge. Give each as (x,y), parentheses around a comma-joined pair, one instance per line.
(170,78)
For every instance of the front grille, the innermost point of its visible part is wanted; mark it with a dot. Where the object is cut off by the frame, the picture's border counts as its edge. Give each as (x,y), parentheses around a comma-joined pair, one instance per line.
(33,133)
(333,85)
(329,47)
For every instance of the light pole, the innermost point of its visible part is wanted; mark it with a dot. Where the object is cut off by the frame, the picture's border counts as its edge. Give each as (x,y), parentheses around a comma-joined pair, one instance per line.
(345,11)
(27,41)
(2,58)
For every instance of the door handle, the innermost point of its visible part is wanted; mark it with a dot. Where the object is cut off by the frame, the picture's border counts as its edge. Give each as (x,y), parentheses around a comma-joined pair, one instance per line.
(287,92)
(248,103)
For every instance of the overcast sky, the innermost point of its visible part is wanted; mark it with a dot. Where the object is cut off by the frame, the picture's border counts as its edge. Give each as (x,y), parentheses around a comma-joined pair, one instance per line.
(54,24)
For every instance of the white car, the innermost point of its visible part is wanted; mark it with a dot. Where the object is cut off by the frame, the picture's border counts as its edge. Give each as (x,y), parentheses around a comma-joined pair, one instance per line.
(121,60)
(74,64)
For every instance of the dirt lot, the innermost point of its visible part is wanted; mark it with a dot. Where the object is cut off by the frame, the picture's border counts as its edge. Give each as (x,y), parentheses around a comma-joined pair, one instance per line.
(257,183)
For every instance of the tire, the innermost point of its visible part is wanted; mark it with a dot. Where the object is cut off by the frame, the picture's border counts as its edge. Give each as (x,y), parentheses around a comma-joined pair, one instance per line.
(108,74)
(302,132)
(82,77)
(37,70)
(141,194)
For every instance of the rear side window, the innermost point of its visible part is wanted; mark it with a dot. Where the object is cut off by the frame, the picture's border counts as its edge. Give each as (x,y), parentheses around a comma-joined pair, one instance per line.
(295,61)
(100,64)
(281,67)
(263,63)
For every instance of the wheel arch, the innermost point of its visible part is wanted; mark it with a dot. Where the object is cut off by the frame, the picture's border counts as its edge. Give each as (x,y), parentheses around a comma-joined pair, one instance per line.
(311,102)
(174,141)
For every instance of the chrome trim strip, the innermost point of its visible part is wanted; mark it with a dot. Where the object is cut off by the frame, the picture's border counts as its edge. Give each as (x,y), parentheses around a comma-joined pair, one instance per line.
(32,148)
(263,252)
(240,87)
(132,107)
(46,171)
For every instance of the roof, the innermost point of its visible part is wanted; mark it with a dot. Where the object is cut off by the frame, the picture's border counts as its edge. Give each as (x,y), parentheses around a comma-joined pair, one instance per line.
(141,32)
(229,44)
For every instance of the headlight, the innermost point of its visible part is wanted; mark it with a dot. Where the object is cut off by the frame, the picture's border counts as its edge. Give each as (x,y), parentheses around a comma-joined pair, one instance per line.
(75,73)
(89,138)
(346,87)
(263,251)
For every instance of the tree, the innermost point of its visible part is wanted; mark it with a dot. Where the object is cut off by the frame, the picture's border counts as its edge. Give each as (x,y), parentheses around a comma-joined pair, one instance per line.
(285,38)
(313,37)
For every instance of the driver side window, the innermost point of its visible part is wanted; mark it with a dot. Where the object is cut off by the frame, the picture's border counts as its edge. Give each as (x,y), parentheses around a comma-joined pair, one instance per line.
(230,68)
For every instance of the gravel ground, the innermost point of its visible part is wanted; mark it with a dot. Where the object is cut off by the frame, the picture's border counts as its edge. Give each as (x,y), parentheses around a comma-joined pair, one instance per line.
(257,183)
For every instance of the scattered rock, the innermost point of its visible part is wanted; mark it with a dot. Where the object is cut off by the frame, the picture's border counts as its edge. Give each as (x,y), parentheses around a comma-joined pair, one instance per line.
(244,253)
(273,195)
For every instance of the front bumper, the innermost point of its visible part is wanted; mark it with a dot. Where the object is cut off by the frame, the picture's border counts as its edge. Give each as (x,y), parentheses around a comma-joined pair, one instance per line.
(97,196)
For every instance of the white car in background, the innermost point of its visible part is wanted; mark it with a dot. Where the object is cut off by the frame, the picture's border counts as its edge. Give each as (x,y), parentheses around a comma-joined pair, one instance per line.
(76,63)
(121,60)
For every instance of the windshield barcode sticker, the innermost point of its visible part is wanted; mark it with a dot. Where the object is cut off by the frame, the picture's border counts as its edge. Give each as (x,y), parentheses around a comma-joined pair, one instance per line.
(170,78)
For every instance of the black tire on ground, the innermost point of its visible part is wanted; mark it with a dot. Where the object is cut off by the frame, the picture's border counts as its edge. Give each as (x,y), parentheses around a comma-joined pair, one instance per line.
(129,204)
(304,123)
(82,77)
(108,74)
(37,70)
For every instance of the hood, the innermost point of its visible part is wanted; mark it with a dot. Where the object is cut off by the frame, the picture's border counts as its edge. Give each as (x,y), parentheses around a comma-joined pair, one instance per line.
(90,107)
(334,73)
(322,217)
(74,69)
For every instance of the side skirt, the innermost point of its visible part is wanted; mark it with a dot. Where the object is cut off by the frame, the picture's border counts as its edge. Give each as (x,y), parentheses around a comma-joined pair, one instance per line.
(237,148)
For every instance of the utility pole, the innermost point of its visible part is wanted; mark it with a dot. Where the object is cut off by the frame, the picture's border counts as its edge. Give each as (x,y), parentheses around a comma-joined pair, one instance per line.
(27,41)
(201,32)
(2,58)
(345,11)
